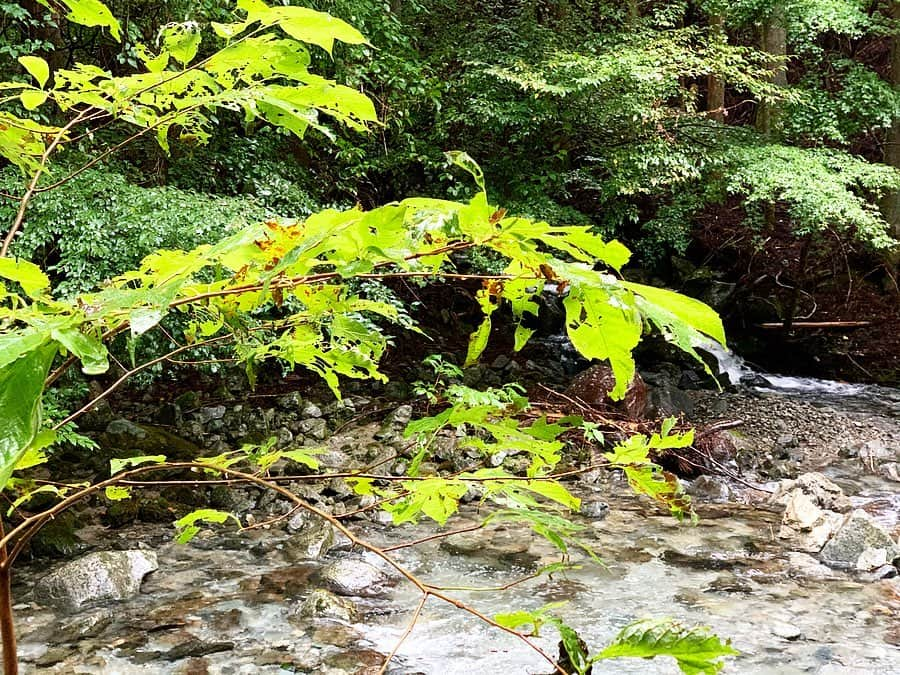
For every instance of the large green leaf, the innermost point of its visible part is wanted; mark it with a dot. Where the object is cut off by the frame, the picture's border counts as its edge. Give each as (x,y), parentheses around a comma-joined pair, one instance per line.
(697,650)
(21,386)
(603,325)
(699,316)
(90,13)
(28,275)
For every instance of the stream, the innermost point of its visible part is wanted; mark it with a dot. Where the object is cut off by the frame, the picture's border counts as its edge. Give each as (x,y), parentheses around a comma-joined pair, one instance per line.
(230,602)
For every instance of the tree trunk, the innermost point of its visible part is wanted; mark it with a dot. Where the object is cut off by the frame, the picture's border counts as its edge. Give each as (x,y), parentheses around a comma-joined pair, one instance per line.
(715,86)
(773,42)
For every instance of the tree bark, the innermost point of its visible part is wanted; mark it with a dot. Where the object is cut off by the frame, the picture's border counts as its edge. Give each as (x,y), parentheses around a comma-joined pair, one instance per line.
(773,41)
(715,86)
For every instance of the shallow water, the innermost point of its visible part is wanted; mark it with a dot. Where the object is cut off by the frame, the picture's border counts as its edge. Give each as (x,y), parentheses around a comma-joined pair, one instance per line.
(212,608)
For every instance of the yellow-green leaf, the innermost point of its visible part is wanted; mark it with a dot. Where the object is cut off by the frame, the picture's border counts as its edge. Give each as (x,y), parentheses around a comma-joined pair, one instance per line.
(28,275)
(37,68)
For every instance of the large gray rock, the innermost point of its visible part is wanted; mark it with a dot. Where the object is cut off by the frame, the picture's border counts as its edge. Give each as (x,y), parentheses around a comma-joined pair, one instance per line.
(811,511)
(96,577)
(355,577)
(123,438)
(859,537)
(822,492)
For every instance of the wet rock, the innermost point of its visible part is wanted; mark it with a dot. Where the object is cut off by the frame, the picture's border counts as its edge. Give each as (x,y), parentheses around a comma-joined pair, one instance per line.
(57,539)
(194,648)
(285,582)
(312,542)
(322,604)
(290,401)
(873,452)
(891,471)
(355,577)
(822,492)
(785,631)
(883,572)
(490,545)
(310,409)
(710,489)
(856,535)
(804,525)
(210,413)
(804,565)
(871,559)
(314,427)
(594,385)
(667,401)
(126,439)
(96,577)
(337,634)
(594,509)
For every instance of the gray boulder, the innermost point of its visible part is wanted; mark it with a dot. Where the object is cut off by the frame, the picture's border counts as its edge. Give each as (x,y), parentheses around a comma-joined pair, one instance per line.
(859,540)
(96,577)
(354,577)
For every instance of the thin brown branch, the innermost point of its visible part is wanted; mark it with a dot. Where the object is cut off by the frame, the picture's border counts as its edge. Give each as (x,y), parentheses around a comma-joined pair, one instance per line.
(409,629)
(118,383)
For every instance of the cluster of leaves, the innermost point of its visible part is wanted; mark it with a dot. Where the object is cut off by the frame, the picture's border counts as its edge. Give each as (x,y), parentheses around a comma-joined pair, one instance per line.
(696,650)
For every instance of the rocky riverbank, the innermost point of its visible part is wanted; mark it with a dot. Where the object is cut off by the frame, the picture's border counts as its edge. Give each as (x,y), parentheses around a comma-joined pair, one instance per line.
(807,498)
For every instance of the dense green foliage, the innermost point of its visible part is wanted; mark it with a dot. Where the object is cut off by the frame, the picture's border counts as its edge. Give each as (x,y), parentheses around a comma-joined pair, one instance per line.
(160,170)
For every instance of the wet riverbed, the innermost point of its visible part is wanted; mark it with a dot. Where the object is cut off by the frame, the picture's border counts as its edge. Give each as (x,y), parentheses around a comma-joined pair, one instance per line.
(232,602)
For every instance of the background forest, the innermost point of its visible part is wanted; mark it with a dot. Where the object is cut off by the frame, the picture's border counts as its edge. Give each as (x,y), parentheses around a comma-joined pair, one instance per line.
(219,215)
(741,149)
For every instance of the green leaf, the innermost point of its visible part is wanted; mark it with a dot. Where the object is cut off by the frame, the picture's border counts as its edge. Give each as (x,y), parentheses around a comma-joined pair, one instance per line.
(28,275)
(90,13)
(34,454)
(116,493)
(699,316)
(32,98)
(437,498)
(604,325)
(90,350)
(696,650)
(37,68)
(143,319)
(478,340)
(304,457)
(21,386)
(30,494)
(116,465)
(181,40)
(306,25)
(465,162)
(188,527)
(15,345)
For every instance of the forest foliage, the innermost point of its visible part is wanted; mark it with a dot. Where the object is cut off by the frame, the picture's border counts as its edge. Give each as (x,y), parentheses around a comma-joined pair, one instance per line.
(160,173)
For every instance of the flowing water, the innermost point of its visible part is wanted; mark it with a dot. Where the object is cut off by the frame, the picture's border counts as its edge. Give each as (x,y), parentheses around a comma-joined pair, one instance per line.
(226,604)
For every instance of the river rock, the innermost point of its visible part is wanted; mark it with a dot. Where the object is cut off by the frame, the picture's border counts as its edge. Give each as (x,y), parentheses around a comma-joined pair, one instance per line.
(322,604)
(708,488)
(891,471)
(822,492)
(127,439)
(354,577)
(804,525)
(857,534)
(312,542)
(96,577)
